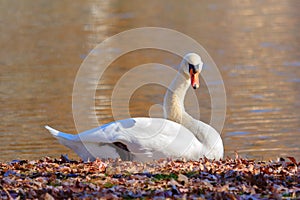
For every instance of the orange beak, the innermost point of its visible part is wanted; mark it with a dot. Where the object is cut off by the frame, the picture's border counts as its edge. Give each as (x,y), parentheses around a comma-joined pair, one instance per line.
(194,79)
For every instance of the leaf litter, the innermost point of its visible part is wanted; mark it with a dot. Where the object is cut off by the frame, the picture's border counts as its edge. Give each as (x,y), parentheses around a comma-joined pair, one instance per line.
(238,178)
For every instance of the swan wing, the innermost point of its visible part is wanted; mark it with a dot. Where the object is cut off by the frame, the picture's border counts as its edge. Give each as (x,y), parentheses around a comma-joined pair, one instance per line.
(143,138)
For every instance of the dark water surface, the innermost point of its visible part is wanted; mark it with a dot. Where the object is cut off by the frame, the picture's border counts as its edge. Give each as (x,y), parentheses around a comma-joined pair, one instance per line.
(255,44)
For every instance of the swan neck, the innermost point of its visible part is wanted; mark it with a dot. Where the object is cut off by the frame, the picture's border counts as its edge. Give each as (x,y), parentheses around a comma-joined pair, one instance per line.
(174,98)
(174,105)
(179,87)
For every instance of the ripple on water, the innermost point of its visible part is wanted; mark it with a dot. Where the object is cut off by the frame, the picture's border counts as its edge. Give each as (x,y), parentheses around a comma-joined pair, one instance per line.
(237,133)
(292,64)
(265,110)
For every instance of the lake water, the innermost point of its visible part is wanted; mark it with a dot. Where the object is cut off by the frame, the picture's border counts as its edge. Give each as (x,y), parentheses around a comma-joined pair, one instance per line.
(255,44)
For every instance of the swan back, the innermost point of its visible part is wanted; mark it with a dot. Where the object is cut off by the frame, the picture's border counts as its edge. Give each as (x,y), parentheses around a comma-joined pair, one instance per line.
(149,138)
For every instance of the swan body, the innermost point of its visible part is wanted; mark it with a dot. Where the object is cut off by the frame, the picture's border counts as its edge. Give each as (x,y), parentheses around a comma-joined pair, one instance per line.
(144,139)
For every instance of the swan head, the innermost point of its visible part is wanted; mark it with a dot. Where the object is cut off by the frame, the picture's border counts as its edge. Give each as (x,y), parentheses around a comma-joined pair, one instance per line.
(192,66)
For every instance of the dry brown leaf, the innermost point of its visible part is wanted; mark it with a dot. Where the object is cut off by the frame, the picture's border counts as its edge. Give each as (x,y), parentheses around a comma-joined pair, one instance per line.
(293,160)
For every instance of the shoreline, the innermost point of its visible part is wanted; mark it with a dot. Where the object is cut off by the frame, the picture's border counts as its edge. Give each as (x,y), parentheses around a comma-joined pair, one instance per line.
(238,178)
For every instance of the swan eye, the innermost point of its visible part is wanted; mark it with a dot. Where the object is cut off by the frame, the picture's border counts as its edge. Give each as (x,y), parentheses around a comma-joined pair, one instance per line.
(195,68)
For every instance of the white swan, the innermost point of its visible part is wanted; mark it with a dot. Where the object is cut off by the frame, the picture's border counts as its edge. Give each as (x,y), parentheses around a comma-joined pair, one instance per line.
(145,139)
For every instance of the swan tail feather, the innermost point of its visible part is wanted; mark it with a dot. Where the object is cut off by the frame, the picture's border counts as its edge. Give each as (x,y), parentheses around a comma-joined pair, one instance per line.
(60,135)
(86,152)
(68,140)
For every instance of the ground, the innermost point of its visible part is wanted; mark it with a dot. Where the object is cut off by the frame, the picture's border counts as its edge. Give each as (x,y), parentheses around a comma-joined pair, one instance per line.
(238,178)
